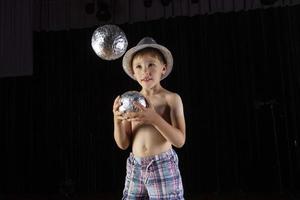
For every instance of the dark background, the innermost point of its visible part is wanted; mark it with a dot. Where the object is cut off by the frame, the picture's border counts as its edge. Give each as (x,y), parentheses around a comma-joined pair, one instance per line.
(239,78)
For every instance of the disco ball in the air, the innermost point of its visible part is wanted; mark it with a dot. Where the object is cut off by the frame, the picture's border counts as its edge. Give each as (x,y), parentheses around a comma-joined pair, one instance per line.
(109,42)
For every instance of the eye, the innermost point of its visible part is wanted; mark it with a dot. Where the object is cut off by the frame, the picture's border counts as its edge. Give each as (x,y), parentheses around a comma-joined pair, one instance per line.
(138,67)
(151,65)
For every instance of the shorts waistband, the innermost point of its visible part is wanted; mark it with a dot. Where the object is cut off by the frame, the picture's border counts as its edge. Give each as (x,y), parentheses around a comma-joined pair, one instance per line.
(148,159)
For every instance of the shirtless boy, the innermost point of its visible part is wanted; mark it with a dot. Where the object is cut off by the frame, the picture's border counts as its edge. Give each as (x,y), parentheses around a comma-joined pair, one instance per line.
(152,168)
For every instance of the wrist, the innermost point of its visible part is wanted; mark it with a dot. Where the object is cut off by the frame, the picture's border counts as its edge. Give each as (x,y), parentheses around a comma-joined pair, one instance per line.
(116,120)
(156,119)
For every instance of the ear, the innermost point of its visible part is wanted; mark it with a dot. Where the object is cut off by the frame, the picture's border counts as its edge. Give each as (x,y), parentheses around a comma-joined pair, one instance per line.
(164,69)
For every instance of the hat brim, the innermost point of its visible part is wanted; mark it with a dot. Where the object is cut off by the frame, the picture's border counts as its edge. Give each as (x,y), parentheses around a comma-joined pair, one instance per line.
(128,57)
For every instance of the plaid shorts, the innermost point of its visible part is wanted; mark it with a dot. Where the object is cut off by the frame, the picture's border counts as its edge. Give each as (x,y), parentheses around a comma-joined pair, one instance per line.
(154,177)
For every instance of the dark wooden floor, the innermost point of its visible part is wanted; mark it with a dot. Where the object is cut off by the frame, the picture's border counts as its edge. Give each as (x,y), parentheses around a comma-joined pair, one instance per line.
(239,196)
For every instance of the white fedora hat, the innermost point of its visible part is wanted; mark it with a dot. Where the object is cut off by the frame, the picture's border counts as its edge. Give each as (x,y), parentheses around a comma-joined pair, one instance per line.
(147,42)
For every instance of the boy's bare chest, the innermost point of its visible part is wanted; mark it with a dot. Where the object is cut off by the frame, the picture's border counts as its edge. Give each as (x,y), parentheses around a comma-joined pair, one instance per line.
(161,107)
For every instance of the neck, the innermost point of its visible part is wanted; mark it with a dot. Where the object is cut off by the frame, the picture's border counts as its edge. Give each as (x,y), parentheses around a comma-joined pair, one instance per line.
(152,91)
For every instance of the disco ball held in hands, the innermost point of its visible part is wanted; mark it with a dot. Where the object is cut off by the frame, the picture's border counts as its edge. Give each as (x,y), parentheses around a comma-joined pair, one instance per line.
(109,42)
(127,100)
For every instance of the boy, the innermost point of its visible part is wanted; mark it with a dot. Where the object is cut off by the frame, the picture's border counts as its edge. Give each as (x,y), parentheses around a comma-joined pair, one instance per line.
(152,167)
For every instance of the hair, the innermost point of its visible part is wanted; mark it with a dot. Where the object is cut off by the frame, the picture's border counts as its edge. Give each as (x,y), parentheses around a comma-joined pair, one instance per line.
(153,51)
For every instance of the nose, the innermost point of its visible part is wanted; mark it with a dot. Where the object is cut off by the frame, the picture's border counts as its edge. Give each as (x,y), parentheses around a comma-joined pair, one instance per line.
(146,70)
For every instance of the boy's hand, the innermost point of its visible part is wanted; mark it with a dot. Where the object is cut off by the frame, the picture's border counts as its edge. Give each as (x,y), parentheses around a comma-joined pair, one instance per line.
(117,114)
(145,115)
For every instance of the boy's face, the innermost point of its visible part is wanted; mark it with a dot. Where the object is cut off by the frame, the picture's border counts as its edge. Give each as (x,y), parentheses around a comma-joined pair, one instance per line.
(148,69)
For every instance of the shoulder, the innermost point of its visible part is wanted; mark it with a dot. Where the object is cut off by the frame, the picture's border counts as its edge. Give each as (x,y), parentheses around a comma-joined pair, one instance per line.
(173,98)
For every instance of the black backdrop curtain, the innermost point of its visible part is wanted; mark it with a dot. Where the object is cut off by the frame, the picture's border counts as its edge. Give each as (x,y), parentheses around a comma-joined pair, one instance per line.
(238,76)
(16,24)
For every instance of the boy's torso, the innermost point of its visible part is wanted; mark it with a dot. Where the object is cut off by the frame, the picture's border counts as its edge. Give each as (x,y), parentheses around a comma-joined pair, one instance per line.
(147,140)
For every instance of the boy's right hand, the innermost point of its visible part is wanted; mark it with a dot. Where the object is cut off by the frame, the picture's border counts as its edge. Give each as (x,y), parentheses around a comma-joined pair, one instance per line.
(117,114)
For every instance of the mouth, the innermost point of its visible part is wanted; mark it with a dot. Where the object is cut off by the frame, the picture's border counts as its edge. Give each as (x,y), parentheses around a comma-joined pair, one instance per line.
(146,79)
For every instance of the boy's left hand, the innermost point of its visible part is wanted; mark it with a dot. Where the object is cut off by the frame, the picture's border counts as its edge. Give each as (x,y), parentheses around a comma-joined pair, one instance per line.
(145,115)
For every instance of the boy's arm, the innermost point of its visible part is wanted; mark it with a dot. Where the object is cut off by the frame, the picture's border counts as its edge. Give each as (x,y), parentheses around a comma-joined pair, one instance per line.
(174,132)
(122,132)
